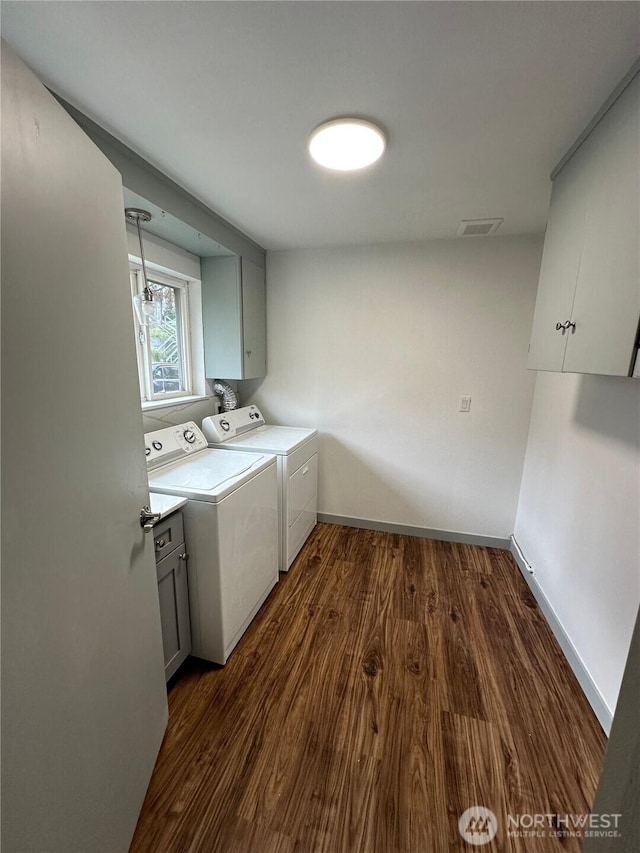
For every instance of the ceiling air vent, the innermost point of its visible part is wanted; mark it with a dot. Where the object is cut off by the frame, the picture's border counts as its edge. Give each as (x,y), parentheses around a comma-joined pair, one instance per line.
(478,227)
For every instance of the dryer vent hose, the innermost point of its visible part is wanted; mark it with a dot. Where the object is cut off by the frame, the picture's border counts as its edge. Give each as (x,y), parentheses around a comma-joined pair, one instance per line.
(226,394)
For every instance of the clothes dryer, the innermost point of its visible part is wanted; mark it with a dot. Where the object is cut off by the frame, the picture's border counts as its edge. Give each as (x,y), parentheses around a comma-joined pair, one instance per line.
(296,449)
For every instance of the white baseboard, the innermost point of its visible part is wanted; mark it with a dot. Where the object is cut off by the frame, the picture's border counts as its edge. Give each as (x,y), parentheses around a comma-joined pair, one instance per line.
(594,697)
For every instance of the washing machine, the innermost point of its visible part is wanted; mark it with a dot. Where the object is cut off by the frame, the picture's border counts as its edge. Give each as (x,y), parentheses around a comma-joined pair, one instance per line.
(231,531)
(296,449)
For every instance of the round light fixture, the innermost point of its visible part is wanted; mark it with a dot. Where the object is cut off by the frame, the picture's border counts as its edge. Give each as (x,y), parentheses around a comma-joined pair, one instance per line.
(346,144)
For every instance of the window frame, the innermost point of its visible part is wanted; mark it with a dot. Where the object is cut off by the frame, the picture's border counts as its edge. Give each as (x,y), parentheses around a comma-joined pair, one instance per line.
(143,349)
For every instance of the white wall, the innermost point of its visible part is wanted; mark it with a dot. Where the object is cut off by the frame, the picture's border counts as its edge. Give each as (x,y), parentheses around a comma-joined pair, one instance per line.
(579,513)
(375,344)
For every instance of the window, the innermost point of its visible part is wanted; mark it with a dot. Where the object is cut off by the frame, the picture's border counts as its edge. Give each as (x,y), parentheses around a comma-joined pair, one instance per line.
(163,347)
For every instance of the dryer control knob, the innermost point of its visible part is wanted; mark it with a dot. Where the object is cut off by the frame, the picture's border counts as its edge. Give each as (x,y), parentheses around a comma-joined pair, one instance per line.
(225,425)
(189,435)
(157,445)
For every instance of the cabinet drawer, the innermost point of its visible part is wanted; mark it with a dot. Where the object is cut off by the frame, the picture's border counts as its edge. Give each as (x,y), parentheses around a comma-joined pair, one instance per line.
(303,487)
(167,535)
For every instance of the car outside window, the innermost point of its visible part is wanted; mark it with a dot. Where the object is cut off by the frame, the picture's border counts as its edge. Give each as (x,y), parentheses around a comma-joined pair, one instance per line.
(166,377)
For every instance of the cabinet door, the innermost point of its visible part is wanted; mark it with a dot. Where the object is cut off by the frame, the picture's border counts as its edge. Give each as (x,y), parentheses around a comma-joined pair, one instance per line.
(222,317)
(607,301)
(254,317)
(234,318)
(173,593)
(560,265)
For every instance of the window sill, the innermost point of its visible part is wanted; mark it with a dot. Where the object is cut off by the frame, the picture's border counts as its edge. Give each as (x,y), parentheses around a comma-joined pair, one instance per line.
(174,401)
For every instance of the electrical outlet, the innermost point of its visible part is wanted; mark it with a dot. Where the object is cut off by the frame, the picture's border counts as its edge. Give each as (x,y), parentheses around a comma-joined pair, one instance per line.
(465,404)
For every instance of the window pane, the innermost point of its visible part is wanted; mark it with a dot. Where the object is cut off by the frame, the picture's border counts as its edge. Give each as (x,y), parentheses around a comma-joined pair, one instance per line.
(165,343)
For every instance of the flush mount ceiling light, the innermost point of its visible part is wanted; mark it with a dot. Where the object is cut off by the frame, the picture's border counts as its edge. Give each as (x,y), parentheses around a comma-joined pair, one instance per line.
(346,144)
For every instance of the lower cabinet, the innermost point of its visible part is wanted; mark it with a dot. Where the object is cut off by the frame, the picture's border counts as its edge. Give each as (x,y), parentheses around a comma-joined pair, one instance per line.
(173,592)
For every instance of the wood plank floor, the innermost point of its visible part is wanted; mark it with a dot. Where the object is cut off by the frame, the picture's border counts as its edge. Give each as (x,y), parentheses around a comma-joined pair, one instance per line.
(388,684)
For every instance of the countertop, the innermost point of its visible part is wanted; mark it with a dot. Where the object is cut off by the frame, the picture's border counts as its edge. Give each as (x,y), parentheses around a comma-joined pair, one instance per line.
(165,504)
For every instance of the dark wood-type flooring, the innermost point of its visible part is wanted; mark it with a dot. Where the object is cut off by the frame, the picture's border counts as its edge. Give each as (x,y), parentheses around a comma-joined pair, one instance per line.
(388,684)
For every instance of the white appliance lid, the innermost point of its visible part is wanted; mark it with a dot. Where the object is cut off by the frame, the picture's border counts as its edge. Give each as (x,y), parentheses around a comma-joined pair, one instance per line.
(206,471)
(272,439)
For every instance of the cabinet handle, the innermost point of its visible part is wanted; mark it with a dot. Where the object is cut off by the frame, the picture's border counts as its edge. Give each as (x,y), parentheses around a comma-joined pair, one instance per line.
(248,353)
(564,326)
(160,543)
(305,471)
(184,557)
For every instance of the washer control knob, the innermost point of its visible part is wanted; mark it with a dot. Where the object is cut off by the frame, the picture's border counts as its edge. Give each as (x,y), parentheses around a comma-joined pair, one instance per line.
(226,426)
(147,451)
(189,435)
(157,445)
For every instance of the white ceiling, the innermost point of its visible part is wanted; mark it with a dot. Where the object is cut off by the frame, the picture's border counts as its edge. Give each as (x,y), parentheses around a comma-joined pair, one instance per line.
(479,99)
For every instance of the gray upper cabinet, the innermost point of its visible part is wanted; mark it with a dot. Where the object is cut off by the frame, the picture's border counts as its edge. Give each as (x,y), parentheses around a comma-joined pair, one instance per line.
(234,318)
(590,273)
